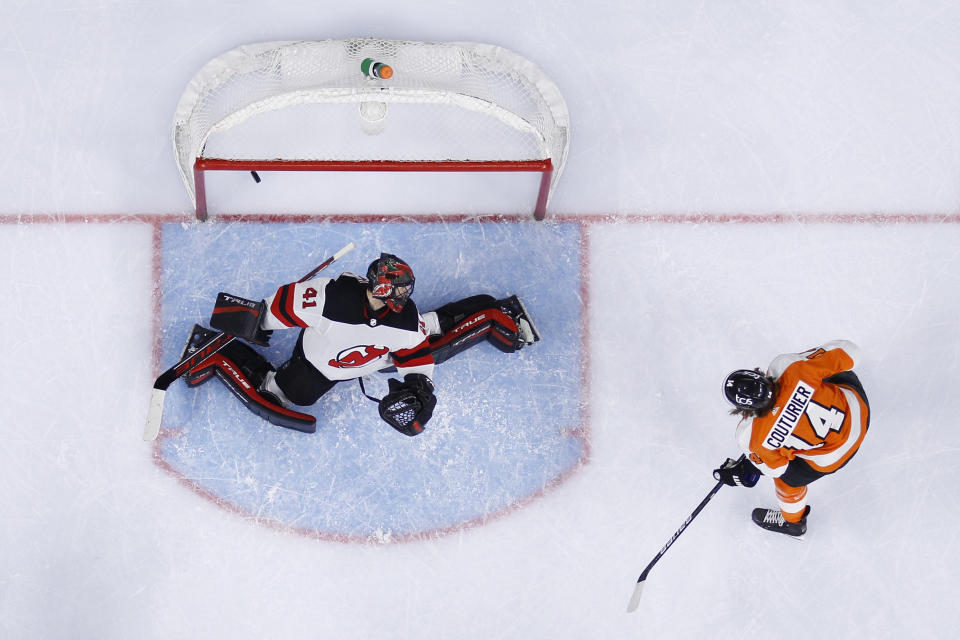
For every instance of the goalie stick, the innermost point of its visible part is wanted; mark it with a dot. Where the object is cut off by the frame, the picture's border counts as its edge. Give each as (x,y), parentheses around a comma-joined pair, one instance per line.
(204,351)
(638,589)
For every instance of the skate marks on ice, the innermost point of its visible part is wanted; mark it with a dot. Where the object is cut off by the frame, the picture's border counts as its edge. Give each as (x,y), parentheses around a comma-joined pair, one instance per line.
(507,426)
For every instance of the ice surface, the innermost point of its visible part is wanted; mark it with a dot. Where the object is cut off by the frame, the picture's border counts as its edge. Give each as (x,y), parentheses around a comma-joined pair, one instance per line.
(507,427)
(717,133)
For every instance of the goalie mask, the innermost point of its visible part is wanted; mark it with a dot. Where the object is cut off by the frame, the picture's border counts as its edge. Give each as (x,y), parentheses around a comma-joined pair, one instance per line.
(749,390)
(390,279)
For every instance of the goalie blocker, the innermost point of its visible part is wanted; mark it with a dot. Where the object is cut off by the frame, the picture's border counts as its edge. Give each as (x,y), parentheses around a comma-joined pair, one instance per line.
(240,317)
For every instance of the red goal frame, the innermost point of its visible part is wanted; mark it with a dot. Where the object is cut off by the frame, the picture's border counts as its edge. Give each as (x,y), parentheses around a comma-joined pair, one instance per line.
(202,165)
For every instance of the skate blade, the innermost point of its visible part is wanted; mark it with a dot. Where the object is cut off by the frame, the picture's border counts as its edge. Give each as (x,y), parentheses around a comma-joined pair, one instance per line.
(530,329)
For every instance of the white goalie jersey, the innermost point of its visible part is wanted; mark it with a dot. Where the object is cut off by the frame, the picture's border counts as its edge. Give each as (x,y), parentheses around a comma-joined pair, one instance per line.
(342,338)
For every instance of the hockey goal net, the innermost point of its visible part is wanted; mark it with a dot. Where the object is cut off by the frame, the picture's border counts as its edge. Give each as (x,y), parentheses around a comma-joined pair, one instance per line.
(327,106)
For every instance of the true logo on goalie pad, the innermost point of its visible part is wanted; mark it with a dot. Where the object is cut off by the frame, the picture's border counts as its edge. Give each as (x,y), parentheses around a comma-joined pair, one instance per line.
(469,323)
(236,375)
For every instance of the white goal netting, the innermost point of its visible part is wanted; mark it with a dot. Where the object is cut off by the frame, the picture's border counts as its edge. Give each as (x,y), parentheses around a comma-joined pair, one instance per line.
(316,102)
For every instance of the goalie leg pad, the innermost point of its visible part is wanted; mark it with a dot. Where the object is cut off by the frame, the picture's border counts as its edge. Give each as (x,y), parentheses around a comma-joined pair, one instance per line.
(505,323)
(453,313)
(471,331)
(232,375)
(253,365)
(243,370)
(504,331)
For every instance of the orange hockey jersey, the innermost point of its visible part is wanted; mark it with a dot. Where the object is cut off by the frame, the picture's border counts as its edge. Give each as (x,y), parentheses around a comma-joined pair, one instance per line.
(819,422)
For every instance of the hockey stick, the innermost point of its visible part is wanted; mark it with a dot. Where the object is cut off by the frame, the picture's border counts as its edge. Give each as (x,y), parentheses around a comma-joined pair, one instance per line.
(638,590)
(204,351)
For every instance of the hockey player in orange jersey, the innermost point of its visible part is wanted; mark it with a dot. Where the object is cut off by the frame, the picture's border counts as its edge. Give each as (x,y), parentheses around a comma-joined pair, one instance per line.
(801,420)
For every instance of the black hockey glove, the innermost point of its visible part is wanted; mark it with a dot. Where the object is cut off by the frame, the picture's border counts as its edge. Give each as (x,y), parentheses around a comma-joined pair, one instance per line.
(240,317)
(737,473)
(409,405)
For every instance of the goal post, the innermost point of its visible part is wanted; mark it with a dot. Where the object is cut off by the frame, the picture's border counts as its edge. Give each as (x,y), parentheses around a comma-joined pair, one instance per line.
(368,104)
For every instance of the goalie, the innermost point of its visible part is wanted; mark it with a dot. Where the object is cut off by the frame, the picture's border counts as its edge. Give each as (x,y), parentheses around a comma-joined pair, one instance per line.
(350,327)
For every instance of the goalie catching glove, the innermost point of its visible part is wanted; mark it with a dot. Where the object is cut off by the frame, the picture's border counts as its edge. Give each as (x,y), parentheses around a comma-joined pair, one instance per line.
(737,473)
(409,404)
(240,317)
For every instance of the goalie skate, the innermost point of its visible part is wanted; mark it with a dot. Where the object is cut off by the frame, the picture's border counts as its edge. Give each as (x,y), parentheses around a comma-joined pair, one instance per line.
(515,308)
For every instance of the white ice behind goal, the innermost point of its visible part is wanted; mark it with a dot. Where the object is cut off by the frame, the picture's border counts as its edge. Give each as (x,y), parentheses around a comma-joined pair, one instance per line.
(308,106)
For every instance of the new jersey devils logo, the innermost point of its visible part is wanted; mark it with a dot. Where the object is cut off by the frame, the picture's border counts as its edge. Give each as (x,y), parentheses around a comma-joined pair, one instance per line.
(382,290)
(358,356)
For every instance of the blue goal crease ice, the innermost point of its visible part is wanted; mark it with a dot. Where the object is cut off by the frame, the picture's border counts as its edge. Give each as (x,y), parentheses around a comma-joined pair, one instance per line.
(501,432)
